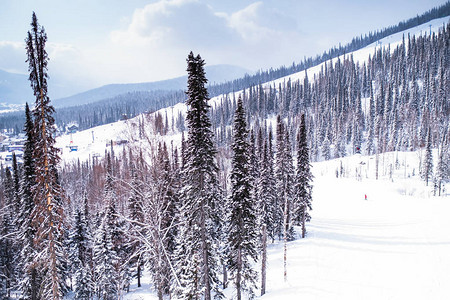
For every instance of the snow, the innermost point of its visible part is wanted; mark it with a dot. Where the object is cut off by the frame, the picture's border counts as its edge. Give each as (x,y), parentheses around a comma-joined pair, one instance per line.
(394,245)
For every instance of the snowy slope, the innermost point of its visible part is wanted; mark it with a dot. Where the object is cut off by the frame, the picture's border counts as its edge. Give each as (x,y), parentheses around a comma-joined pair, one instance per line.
(395,245)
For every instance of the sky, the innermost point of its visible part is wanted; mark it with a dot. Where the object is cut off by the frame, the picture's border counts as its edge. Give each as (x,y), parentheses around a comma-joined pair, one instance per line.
(97,42)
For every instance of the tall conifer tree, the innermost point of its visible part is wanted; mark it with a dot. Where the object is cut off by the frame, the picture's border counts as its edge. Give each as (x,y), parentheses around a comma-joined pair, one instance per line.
(199,213)
(303,180)
(242,231)
(48,214)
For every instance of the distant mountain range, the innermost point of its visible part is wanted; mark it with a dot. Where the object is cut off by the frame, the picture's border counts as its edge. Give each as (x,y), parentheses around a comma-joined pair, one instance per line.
(15,88)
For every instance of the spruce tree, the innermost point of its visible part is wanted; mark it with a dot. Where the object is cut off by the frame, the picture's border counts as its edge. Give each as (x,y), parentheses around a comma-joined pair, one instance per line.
(48,214)
(427,169)
(107,245)
(199,211)
(79,256)
(303,180)
(29,276)
(242,230)
(7,237)
(136,216)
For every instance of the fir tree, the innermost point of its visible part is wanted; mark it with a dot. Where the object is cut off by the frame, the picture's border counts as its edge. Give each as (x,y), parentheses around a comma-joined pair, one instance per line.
(199,213)
(48,214)
(136,215)
(427,170)
(80,244)
(242,231)
(303,180)
(29,277)
(7,237)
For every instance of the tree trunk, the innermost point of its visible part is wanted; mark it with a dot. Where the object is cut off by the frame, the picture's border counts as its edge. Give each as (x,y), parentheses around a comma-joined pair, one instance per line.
(225,275)
(139,273)
(263,259)
(238,274)
(205,258)
(285,231)
(303,222)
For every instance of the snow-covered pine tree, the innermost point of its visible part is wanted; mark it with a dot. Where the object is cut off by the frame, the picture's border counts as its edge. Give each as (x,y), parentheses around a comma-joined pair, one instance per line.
(443,167)
(29,277)
(160,219)
(370,147)
(48,213)
(7,234)
(199,212)
(427,169)
(136,216)
(106,257)
(242,226)
(303,187)
(279,178)
(80,258)
(284,175)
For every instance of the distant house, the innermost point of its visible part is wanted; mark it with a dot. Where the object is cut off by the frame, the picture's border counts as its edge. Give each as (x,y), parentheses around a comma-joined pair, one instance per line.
(72,128)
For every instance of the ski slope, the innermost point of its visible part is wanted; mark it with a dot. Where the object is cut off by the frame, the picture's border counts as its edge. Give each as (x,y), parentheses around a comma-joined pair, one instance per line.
(395,245)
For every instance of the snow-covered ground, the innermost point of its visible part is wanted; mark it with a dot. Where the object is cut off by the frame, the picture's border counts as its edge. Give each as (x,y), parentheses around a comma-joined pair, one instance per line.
(394,245)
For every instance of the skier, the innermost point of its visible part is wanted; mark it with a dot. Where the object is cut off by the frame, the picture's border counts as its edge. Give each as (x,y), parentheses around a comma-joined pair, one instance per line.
(365,196)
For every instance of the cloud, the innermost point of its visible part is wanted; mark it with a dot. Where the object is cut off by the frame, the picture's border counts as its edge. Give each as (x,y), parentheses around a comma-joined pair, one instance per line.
(176,23)
(152,43)
(166,31)
(12,57)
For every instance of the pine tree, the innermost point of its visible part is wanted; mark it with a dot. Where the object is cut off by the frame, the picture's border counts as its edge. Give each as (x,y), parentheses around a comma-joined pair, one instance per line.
(107,245)
(443,167)
(136,215)
(29,277)
(371,122)
(106,258)
(284,174)
(160,229)
(427,170)
(48,214)
(79,256)
(242,231)
(199,213)
(303,180)
(7,237)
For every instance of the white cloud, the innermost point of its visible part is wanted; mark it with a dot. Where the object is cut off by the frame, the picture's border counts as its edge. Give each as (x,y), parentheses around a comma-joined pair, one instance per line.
(160,35)
(12,57)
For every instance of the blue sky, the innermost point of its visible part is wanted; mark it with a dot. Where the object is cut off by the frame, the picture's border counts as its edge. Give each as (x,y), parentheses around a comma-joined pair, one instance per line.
(95,42)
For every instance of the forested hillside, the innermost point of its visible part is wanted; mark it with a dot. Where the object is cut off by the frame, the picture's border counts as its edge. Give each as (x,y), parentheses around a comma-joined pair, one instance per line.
(195,196)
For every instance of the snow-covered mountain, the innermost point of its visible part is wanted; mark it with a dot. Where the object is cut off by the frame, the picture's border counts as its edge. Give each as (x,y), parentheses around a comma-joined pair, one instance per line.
(14,88)
(215,74)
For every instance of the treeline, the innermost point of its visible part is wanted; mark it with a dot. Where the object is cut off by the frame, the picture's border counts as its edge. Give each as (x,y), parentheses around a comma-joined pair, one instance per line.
(392,102)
